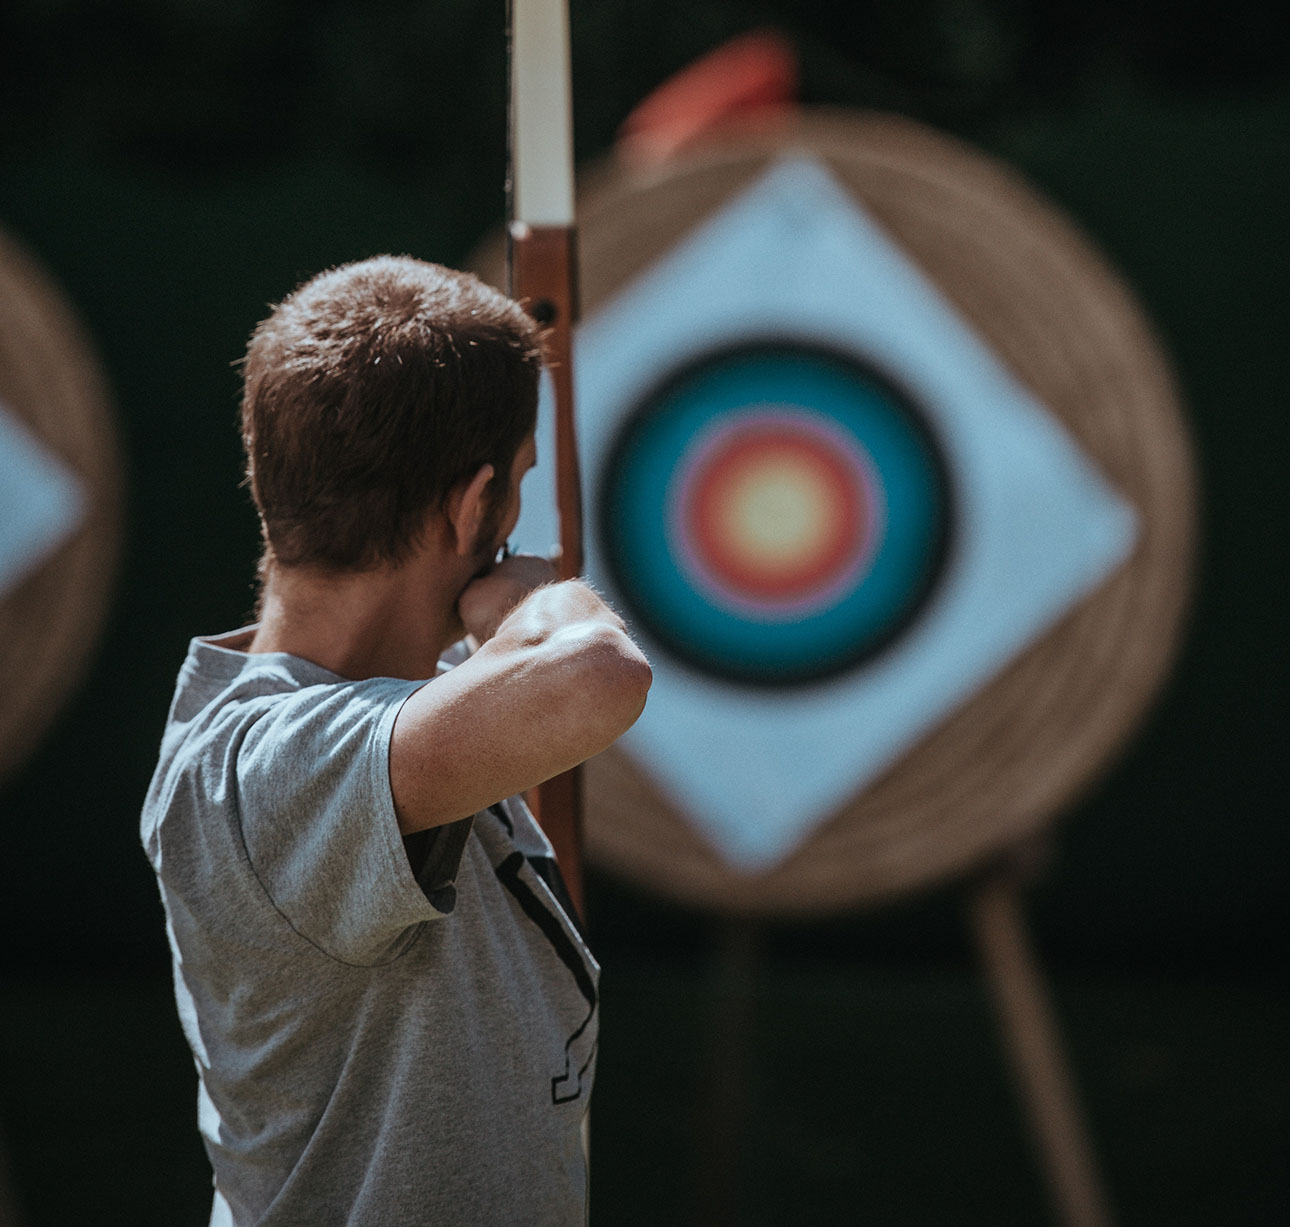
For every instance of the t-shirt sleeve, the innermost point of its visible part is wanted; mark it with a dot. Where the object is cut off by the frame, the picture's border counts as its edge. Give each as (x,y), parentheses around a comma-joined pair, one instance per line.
(318,822)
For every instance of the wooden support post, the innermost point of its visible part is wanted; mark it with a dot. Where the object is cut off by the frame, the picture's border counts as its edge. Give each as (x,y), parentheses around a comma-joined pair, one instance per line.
(723,1127)
(1032,1042)
(9,1215)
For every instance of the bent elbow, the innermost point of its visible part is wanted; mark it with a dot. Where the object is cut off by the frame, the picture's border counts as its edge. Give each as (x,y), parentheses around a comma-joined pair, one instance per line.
(614,678)
(637,677)
(625,674)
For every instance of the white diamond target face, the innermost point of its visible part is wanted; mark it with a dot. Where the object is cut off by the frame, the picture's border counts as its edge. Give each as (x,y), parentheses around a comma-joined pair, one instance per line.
(827,510)
(774,514)
(41,502)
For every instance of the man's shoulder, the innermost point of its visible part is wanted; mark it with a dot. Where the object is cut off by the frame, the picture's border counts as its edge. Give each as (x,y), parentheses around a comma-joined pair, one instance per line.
(235,712)
(218,674)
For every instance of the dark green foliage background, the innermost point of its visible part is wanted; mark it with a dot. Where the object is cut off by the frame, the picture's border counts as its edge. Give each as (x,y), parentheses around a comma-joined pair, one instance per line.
(179,164)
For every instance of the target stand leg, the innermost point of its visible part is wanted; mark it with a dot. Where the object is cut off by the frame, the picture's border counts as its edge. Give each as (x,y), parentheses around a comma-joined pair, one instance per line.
(9,1215)
(1034,1048)
(724,1114)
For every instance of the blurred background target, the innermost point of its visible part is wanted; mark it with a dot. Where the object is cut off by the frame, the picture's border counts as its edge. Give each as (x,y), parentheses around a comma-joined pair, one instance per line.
(775,513)
(59,483)
(886,467)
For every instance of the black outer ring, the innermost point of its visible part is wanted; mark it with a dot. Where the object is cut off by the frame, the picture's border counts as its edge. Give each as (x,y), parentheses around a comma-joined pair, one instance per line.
(752,675)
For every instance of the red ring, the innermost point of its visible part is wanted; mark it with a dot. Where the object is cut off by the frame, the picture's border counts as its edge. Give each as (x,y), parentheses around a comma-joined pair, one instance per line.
(714,486)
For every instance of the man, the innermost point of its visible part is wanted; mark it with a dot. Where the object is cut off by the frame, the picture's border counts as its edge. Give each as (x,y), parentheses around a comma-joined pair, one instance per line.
(390,1007)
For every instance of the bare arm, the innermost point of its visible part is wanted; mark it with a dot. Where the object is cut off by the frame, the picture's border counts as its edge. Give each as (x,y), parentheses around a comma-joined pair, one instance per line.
(556,680)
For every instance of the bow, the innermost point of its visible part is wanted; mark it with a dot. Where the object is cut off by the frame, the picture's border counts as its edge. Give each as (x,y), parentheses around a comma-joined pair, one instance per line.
(541,269)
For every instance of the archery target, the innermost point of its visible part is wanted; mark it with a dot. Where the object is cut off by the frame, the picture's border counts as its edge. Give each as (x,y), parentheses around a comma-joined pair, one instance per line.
(1042,512)
(58,500)
(775,513)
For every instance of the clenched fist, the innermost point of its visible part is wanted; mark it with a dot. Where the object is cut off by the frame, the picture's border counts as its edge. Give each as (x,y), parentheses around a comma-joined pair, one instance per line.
(486,600)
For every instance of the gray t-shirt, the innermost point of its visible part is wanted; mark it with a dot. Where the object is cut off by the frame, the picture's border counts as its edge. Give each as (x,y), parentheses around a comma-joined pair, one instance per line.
(373,1047)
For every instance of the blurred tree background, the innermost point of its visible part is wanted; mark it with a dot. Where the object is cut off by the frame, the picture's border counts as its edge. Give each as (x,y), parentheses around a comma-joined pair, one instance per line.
(179,164)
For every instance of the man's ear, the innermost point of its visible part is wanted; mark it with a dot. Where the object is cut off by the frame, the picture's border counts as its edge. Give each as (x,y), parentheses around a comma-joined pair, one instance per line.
(466,507)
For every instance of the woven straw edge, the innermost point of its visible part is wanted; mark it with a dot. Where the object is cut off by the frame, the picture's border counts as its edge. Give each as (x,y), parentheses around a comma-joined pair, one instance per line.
(51,379)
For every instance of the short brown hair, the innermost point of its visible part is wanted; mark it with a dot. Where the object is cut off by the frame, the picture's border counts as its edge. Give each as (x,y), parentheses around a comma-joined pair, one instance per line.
(368,394)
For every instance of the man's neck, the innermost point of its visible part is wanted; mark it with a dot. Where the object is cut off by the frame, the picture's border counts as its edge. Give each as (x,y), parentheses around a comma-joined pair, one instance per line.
(388,622)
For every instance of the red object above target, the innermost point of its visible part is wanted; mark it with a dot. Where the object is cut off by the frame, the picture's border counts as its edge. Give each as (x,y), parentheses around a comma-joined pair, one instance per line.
(750,78)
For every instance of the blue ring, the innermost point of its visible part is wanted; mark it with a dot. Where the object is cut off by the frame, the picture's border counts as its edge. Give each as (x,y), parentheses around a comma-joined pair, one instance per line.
(791,379)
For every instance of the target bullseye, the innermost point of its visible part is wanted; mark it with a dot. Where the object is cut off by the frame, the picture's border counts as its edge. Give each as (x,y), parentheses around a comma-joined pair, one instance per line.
(774,513)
